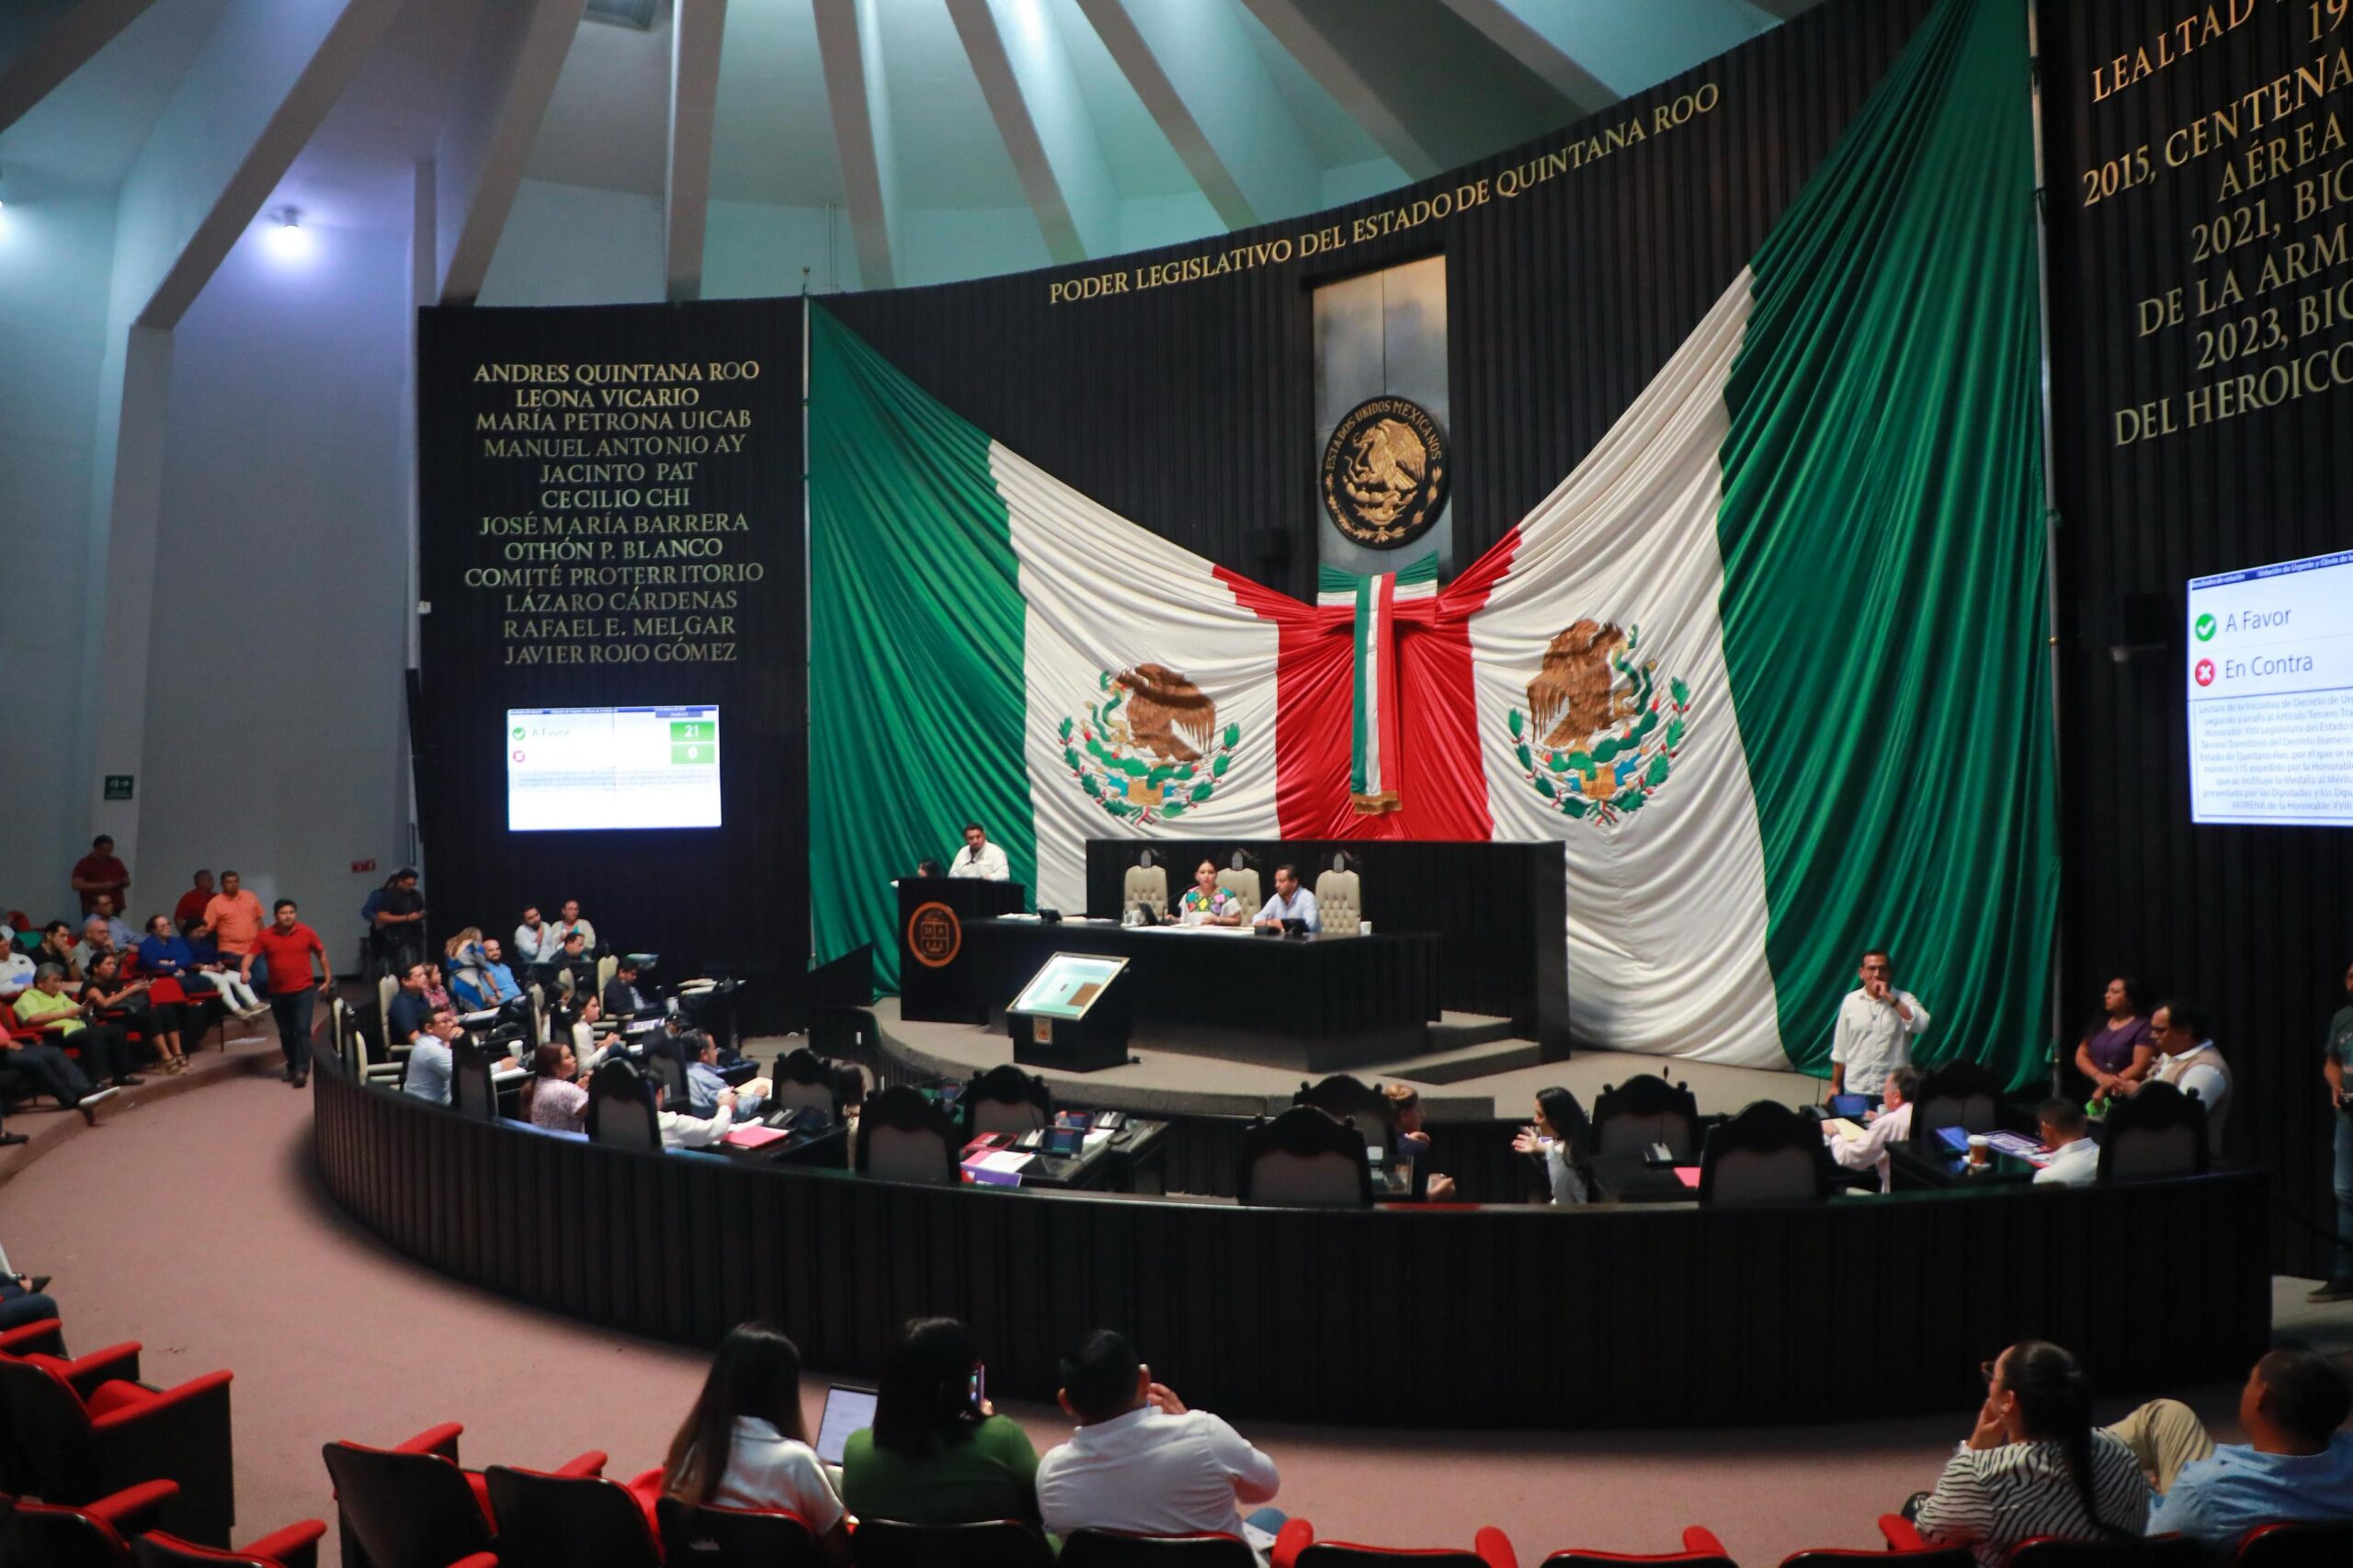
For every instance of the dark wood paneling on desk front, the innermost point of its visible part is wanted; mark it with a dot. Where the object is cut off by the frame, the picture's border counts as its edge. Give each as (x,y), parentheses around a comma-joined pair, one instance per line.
(1679,1316)
(1500,909)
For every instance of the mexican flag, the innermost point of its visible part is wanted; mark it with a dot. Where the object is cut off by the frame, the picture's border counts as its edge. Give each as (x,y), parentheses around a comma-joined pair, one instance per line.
(1768,662)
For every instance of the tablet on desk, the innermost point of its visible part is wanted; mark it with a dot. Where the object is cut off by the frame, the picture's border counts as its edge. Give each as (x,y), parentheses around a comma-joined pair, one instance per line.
(1954,1138)
(1850,1106)
(847,1410)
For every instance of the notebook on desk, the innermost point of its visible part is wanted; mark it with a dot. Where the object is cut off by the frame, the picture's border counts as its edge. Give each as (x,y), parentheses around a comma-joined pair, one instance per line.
(1843,1128)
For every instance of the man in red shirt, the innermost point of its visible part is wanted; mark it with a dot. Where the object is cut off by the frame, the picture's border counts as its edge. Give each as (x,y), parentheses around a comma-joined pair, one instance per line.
(99,872)
(189,913)
(285,946)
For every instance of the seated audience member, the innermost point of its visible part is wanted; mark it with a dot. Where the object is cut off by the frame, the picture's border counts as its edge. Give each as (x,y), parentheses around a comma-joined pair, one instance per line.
(23,1299)
(97,938)
(42,1060)
(572,957)
(1291,901)
(2294,1465)
(1873,1032)
(573,924)
(285,949)
(2116,1050)
(1892,1125)
(1545,1139)
(99,872)
(2192,1063)
(436,986)
(114,1000)
(405,1015)
(497,986)
(1413,1140)
(582,1026)
(2035,1465)
(704,1084)
(622,998)
(1205,902)
(58,946)
(106,1054)
(745,1443)
(1140,1460)
(535,940)
(165,951)
(118,929)
(430,1060)
(189,913)
(2075,1158)
(936,1455)
(232,919)
(680,1131)
(553,1096)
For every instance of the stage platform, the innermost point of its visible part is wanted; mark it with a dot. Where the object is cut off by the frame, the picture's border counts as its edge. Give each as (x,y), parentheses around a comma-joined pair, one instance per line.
(1485,1081)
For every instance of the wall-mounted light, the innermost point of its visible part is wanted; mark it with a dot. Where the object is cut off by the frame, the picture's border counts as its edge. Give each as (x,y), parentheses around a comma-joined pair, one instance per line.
(288,240)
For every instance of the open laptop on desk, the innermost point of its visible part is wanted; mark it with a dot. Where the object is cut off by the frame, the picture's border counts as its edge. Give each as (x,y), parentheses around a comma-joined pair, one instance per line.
(848,1410)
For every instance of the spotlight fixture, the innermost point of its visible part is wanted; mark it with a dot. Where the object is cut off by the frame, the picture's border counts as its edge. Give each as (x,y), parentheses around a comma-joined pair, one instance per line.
(289,240)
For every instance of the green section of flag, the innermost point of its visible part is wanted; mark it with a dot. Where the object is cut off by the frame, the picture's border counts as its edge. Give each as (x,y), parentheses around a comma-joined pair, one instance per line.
(914,641)
(1881,533)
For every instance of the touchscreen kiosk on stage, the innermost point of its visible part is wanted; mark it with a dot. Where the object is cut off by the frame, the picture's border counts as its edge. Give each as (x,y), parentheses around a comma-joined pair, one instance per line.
(1072,1015)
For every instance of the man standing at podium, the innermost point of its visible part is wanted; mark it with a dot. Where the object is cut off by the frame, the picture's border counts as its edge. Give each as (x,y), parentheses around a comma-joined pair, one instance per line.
(979,859)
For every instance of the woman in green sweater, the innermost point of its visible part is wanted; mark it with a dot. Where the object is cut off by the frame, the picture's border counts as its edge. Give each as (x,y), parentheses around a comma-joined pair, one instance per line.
(937,1454)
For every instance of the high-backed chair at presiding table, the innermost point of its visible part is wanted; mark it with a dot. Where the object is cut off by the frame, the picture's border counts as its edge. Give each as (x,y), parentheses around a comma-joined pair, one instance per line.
(2156,1131)
(991,1543)
(1340,902)
(620,1107)
(1959,1093)
(1645,1110)
(1767,1153)
(87,1428)
(1304,1157)
(905,1136)
(1006,1099)
(1242,882)
(121,1529)
(716,1536)
(1146,886)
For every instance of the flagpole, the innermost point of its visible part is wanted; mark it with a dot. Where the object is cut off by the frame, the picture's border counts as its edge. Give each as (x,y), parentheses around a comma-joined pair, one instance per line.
(2050,518)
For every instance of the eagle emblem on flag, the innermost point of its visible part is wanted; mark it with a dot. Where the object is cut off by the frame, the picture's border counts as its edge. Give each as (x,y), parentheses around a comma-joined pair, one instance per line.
(1598,736)
(1148,748)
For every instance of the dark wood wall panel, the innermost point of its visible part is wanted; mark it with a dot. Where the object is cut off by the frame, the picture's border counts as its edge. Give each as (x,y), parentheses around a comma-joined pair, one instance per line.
(2255,922)
(1584,1317)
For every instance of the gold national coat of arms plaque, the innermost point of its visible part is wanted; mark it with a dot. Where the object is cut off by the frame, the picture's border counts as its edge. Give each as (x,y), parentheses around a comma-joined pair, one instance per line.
(1384,472)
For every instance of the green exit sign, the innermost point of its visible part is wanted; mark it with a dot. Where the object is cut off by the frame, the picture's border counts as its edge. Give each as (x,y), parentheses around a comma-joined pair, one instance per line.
(119,786)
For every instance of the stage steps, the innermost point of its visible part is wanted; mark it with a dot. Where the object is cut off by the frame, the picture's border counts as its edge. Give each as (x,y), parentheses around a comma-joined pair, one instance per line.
(1466,1045)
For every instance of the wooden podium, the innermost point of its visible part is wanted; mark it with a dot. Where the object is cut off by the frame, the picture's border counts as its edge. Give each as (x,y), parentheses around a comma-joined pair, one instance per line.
(934,975)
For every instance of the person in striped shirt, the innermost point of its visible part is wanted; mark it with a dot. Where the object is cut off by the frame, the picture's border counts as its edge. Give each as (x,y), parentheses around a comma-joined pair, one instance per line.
(2035,1465)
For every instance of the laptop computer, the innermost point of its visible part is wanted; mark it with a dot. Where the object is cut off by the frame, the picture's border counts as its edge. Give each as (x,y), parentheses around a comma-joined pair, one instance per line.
(847,1410)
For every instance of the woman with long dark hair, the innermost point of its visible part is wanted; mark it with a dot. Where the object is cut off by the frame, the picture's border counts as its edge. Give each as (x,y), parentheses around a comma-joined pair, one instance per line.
(2035,1464)
(553,1096)
(745,1444)
(1550,1139)
(2117,1049)
(938,1453)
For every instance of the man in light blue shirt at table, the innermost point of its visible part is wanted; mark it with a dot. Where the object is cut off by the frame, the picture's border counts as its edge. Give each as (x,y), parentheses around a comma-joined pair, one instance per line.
(2295,1465)
(1291,901)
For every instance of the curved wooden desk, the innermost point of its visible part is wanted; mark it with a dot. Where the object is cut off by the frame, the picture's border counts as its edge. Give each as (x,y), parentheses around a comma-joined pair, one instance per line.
(1482,1316)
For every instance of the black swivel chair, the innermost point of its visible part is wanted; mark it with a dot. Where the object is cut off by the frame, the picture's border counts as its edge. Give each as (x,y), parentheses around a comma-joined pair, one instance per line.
(1351,1099)
(472,1093)
(620,1109)
(1959,1093)
(902,1136)
(806,1080)
(1767,1153)
(1305,1157)
(1646,1109)
(1006,1099)
(2156,1131)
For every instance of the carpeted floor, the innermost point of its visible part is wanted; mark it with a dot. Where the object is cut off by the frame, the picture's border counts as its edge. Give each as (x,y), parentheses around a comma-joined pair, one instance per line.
(195,1225)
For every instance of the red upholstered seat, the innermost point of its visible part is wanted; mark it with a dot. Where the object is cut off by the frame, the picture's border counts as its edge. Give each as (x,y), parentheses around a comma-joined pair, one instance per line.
(1700,1550)
(84,1430)
(1296,1544)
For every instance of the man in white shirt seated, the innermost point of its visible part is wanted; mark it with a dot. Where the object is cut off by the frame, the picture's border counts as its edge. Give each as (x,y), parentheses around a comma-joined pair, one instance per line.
(2190,1062)
(1892,1125)
(1876,1026)
(1291,901)
(1140,1460)
(535,940)
(2075,1158)
(979,861)
(682,1131)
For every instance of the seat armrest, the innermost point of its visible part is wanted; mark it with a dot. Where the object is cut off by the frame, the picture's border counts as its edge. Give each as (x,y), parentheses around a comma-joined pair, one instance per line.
(44,1337)
(1902,1534)
(441,1440)
(1700,1538)
(296,1546)
(479,1560)
(116,1363)
(168,1403)
(590,1463)
(134,1509)
(1492,1546)
(1295,1537)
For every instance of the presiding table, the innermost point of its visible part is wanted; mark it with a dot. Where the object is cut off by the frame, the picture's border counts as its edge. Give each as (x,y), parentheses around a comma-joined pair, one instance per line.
(1319,1004)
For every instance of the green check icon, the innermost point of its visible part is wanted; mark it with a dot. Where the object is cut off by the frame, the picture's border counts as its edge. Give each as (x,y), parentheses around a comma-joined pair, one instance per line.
(2205,629)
